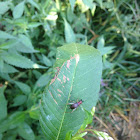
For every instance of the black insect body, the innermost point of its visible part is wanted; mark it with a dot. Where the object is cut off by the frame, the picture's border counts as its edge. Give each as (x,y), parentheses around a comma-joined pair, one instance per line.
(75,105)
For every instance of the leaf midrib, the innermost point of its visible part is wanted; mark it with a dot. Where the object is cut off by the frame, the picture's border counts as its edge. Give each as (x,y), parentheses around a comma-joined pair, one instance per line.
(68,98)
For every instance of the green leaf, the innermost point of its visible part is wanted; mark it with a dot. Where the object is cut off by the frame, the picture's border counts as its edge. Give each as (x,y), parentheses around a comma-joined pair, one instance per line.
(101,46)
(102,135)
(70,15)
(79,136)
(8,69)
(26,132)
(47,61)
(82,6)
(13,121)
(100,3)
(25,44)
(1,136)
(34,24)
(10,135)
(93,111)
(24,87)
(93,9)
(109,5)
(88,119)
(3,104)
(69,33)
(88,3)
(19,100)
(1,65)
(33,3)
(107,64)
(106,50)
(78,77)
(8,44)
(4,7)
(19,60)
(101,43)
(20,47)
(5,35)
(6,77)
(43,80)
(68,135)
(34,112)
(72,3)
(18,10)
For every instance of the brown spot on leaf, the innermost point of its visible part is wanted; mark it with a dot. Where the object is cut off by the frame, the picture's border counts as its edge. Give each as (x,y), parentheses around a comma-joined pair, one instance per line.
(68,64)
(53,97)
(59,80)
(56,75)
(59,90)
(77,58)
(64,78)
(52,81)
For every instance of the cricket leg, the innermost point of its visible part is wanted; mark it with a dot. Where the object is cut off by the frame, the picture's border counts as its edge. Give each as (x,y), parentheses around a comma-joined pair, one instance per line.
(73,110)
(70,103)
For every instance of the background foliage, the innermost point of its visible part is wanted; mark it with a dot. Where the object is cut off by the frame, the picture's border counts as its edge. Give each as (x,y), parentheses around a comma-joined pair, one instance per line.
(30,32)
